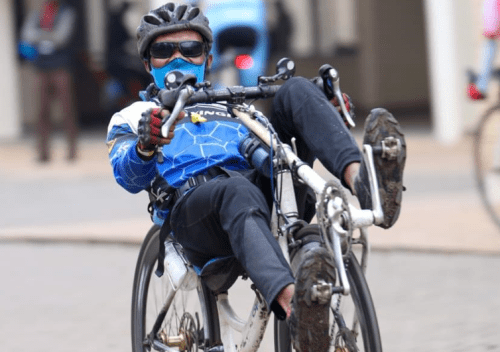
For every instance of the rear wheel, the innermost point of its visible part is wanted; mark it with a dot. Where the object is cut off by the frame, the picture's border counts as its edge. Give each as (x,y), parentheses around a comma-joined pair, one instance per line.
(487,161)
(353,321)
(182,326)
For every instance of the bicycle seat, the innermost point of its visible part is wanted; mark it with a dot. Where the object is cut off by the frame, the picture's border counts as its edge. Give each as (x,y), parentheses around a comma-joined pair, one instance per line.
(219,274)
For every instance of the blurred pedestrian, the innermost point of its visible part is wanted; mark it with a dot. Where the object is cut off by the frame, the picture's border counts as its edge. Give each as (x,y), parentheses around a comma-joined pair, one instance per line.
(125,75)
(478,86)
(281,32)
(47,41)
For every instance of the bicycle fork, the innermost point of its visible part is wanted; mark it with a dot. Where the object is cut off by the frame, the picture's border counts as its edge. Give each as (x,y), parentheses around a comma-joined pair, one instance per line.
(284,221)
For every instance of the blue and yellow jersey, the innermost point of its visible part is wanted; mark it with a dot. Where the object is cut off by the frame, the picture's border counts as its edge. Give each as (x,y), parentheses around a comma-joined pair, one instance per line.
(208,136)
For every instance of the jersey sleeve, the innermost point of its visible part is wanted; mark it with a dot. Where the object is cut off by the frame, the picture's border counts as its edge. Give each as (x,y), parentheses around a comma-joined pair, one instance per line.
(130,171)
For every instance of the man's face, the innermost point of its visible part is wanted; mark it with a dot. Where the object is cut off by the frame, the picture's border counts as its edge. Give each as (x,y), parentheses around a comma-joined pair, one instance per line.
(176,37)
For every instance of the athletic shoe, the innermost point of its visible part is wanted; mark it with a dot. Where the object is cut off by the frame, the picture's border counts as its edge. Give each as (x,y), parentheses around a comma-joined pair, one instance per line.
(383,133)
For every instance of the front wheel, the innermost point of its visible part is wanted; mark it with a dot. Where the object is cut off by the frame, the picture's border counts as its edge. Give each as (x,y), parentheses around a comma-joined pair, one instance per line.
(487,161)
(179,316)
(353,321)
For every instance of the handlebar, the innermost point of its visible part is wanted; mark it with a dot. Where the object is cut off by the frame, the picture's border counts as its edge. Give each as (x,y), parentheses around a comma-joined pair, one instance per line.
(233,95)
(188,96)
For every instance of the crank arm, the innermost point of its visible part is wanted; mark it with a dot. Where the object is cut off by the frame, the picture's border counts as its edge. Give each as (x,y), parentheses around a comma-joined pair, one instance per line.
(339,262)
(378,213)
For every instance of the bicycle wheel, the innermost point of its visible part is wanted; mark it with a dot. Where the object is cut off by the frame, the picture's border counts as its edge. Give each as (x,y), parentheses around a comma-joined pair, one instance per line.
(487,161)
(353,321)
(184,327)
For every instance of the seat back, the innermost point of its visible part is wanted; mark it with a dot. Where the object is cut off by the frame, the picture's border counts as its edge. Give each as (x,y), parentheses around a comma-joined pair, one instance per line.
(219,274)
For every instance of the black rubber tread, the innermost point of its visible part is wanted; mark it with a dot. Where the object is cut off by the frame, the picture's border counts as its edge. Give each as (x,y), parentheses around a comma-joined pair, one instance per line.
(144,268)
(362,299)
(479,168)
(380,124)
(311,325)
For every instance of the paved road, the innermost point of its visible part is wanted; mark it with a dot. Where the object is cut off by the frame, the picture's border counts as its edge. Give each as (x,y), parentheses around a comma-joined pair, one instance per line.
(76,297)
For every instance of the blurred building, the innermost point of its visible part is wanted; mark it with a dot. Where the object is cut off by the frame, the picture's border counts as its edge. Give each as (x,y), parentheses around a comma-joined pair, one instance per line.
(409,56)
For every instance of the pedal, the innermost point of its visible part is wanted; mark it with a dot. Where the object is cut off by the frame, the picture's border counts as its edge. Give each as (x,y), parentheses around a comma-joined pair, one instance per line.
(321,292)
(390,149)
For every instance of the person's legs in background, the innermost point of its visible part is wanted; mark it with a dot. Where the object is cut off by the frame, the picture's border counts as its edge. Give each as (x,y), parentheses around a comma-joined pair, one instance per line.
(43,124)
(63,82)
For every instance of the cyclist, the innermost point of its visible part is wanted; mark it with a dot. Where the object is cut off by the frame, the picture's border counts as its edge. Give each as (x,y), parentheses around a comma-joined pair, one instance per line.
(219,205)
(491,30)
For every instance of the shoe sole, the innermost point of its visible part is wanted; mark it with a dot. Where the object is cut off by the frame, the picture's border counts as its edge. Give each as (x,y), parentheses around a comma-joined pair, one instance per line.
(379,125)
(311,325)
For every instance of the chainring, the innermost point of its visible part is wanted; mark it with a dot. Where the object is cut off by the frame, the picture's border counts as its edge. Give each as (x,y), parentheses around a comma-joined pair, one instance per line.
(337,216)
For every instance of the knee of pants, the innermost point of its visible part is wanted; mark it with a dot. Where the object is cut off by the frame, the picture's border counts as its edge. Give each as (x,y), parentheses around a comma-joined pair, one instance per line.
(297,85)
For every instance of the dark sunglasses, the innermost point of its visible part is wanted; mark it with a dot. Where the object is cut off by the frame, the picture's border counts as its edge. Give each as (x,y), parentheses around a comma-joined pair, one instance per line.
(164,50)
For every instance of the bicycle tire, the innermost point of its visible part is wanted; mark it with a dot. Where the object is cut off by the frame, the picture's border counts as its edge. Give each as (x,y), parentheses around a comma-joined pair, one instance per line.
(362,303)
(185,313)
(486,149)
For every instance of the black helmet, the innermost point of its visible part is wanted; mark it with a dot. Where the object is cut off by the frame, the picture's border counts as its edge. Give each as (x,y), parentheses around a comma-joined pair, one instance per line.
(169,18)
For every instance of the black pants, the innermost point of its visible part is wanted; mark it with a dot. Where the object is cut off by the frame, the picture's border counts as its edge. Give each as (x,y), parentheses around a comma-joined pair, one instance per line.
(230,215)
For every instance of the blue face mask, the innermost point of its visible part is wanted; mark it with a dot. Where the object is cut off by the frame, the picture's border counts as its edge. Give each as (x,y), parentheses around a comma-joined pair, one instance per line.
(181,65)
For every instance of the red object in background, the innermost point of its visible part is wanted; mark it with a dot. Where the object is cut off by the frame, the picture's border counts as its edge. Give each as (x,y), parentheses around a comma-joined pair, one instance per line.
(48,15)
(243,62)
(474,93)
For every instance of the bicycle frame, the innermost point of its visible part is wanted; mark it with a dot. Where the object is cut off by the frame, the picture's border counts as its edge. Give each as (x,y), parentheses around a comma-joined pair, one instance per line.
(337,217)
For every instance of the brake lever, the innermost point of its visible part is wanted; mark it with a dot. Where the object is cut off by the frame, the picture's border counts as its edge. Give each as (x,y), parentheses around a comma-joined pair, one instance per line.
(168,121)
(329,74)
